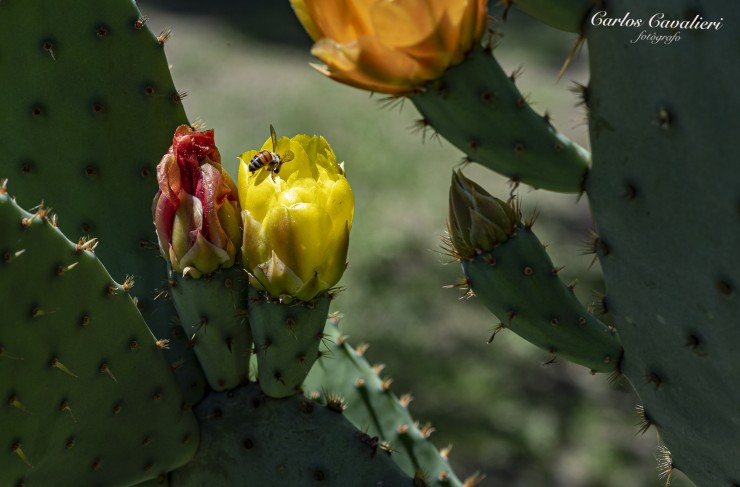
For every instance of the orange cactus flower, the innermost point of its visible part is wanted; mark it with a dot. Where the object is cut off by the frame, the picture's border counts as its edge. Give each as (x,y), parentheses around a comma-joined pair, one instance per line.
(390,46)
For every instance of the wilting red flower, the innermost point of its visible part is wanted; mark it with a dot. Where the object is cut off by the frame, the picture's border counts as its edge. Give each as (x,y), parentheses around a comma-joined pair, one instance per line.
(196,211)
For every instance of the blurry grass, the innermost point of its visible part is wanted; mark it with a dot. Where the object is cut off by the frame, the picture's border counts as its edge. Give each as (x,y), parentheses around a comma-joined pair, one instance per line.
(509,417)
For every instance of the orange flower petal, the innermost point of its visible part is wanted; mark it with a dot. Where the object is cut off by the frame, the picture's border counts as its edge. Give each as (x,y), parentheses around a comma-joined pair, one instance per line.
(341,20)
(368,62)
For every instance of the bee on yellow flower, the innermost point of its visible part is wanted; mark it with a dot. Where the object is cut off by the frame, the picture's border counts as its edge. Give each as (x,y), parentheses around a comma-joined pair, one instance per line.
(297,224)
(270,159)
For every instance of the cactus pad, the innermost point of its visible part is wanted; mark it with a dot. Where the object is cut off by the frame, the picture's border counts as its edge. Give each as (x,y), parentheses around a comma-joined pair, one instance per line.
(477,107)
(372,407)
(286,339)
(519,284)
(87,396)
(89,110)
(665,194)
(213,313)
(251,439)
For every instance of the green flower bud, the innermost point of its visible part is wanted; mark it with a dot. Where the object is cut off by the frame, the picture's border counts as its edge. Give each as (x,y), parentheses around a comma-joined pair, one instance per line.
(477,220)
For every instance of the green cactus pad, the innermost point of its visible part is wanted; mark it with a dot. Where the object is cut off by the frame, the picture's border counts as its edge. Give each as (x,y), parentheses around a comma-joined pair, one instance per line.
(665,194)
(214,316)
(87,113)
(286,340)
(567,15)
(372,407)
(477,107)
(251,439)
(87,395)
(519,284)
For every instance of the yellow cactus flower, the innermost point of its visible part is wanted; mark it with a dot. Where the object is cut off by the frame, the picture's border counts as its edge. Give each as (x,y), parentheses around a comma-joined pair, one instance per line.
(390,46)
(297,221)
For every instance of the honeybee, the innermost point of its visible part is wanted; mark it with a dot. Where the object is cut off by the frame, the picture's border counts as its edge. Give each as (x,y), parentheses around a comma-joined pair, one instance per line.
(270,159)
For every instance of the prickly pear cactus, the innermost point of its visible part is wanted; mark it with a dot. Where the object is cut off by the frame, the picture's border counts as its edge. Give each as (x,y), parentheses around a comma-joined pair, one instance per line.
(90,108)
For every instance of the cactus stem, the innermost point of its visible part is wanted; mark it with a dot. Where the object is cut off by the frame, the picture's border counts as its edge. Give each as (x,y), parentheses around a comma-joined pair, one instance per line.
(55,363)
(16,448)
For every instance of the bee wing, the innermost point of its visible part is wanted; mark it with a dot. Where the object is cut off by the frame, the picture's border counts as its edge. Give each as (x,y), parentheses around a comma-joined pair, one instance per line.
(287,157)
(273,137)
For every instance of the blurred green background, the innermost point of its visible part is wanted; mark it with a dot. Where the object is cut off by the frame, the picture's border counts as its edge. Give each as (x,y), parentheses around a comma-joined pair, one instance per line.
(508,416)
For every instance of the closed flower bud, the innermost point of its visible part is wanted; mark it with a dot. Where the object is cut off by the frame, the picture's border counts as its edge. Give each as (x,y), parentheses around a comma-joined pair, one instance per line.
(391,46)
(196,211)
(477,221)
(297,221)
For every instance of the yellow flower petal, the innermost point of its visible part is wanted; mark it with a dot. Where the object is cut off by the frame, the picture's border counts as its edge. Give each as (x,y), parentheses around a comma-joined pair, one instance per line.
(296,222)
